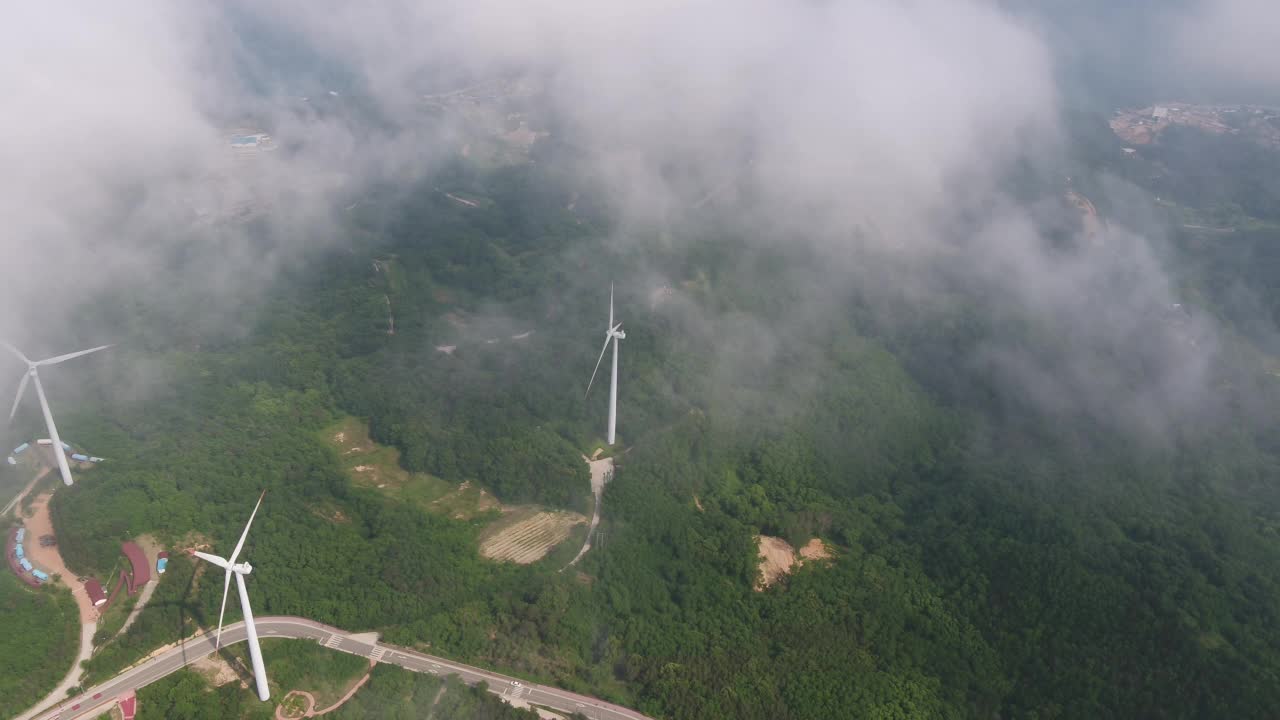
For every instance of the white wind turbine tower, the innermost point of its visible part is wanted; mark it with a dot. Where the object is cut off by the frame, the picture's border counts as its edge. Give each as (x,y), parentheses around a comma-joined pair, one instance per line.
(240,570)
(615,334)
(33,372)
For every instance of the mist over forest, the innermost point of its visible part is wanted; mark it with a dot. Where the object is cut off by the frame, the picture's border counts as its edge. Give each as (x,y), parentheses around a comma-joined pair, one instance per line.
(968,309)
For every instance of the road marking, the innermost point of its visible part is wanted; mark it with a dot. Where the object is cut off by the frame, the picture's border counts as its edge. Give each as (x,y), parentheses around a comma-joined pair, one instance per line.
(377,653)
(333,641)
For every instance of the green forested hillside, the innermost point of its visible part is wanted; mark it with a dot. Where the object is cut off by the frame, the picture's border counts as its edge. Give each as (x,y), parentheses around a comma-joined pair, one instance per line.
(38,647)
(989,559)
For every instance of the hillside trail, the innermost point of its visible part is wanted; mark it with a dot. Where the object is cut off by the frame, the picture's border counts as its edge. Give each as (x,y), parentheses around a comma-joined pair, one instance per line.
(601,471)
(311,710)
(43,471)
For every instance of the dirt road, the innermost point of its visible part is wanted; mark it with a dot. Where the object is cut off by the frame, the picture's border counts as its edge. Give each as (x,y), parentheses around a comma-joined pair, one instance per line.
(601,471)
(39,524)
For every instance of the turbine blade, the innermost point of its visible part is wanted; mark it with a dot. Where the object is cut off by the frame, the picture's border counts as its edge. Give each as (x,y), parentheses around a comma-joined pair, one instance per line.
(69,356)
(226,585)
(17,352)
(610,304)
(236,553)
(22,388)
(607,338)
(220,562)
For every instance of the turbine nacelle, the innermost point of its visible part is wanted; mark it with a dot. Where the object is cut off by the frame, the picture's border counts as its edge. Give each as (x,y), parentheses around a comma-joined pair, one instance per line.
(243,568)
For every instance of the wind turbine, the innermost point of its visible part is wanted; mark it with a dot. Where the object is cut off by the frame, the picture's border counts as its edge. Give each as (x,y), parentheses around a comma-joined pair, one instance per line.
(33,371)
(615,334)
(240,570)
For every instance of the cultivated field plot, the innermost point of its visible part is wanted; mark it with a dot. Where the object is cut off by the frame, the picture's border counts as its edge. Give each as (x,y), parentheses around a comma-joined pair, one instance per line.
(527,536)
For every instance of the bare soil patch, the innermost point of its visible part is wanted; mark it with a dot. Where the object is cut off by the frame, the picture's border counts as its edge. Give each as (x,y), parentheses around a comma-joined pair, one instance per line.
(38,524)
(815,550)
(467,502)
(777,558)
(215,670)
(528,539)
(332,514)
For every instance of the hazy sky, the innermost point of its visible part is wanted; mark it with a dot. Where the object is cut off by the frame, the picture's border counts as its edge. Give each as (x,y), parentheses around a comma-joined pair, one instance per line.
(903,116)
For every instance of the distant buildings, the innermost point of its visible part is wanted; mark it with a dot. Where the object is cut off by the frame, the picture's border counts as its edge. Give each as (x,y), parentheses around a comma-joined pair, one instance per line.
(247,143)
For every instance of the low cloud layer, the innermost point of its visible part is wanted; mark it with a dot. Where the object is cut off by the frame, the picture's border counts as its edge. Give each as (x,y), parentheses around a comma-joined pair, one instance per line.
(873,132)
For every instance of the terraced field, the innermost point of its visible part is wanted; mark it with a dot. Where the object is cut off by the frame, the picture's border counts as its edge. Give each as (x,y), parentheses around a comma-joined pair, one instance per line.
(527,536)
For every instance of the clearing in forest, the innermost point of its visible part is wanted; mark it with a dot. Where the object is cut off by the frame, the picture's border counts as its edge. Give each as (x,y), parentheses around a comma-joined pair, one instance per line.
(371,465)
(777,557)
(216,671)
(526,536)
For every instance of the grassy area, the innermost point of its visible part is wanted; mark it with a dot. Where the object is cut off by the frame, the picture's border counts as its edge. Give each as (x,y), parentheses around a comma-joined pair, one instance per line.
(375,466)
(305,665)
(38,642)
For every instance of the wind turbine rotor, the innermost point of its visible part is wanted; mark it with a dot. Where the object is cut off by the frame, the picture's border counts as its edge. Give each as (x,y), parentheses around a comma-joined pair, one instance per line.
(220,562)
(603,350)
(240,545)
(22,388)
(17,352)
(68,356)
(222,611)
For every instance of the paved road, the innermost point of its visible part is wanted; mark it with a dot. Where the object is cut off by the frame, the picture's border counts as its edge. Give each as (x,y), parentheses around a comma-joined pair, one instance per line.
(97,699)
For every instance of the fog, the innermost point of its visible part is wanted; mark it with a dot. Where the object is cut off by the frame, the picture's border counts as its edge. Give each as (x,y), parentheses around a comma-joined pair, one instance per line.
(885,136)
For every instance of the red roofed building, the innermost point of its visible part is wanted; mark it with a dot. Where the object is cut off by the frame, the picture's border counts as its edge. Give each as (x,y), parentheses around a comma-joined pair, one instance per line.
(96,595)
(141,567)
(128,705)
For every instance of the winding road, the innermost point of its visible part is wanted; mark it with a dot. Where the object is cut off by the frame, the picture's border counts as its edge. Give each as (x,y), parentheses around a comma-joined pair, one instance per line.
(96,700)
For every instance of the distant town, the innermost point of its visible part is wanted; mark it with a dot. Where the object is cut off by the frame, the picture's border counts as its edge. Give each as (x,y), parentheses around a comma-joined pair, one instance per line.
(1144,126)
